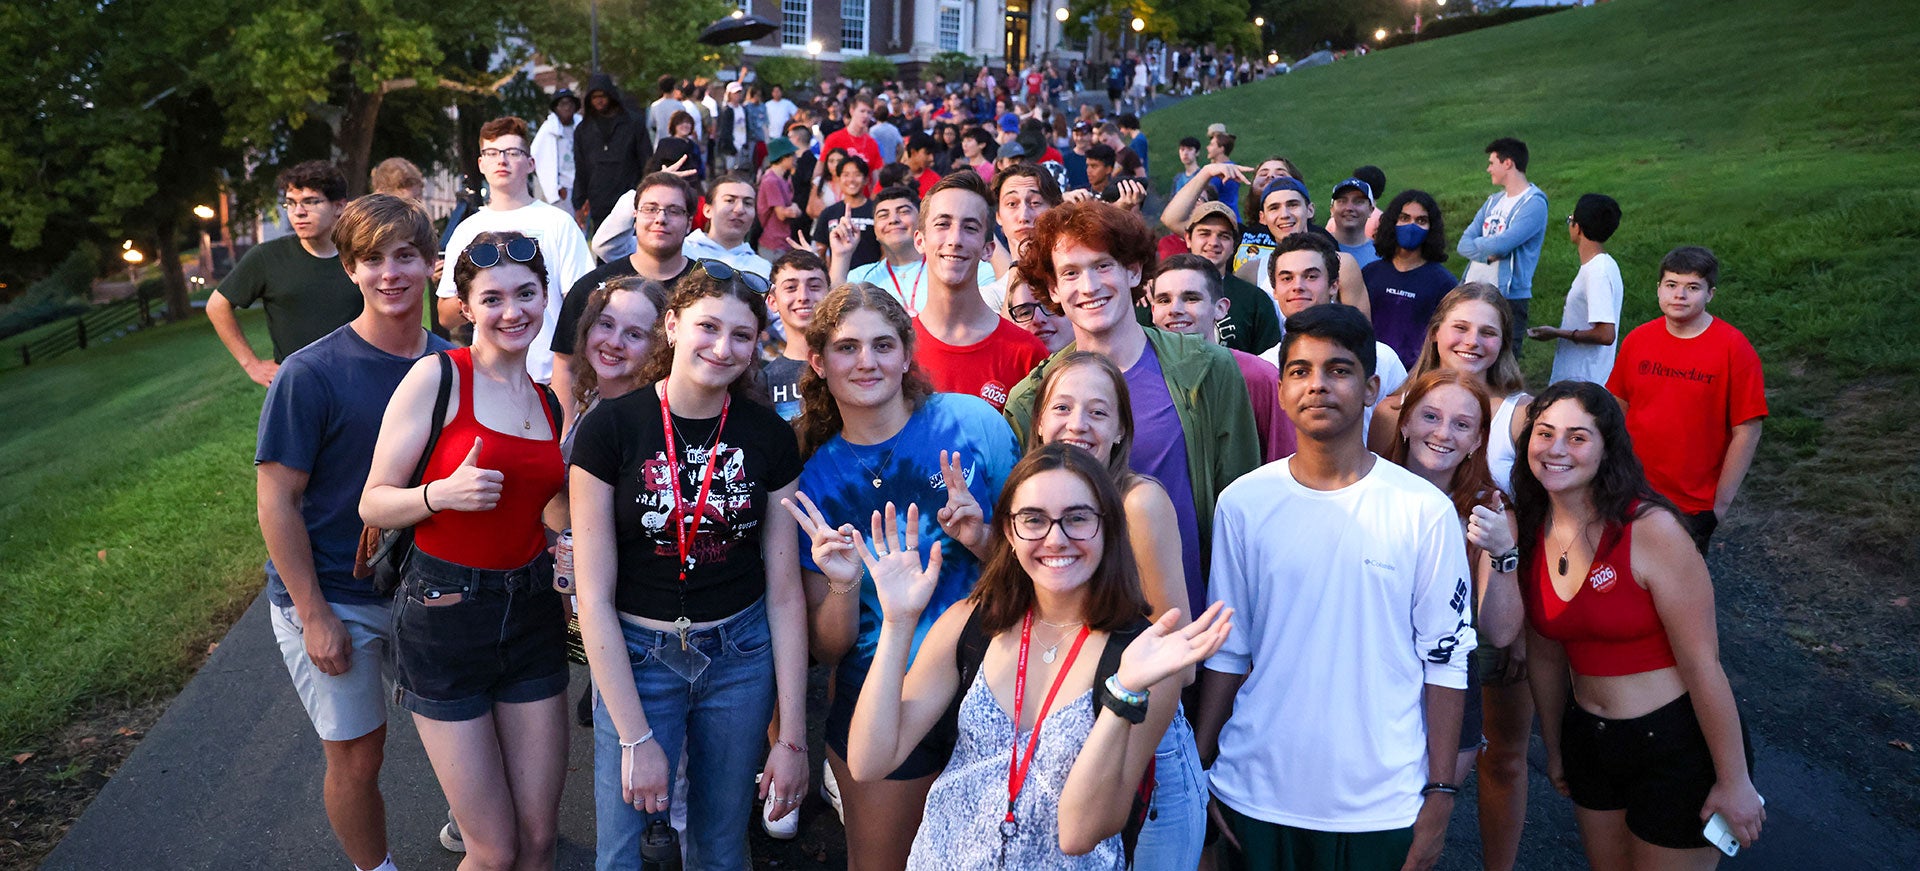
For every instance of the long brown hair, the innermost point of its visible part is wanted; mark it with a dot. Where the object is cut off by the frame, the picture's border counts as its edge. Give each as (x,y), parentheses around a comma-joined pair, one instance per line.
(1005,591)
(586,381)
(1620,490)
(691,288)
(1472,482)
(1503,377)
(819,418)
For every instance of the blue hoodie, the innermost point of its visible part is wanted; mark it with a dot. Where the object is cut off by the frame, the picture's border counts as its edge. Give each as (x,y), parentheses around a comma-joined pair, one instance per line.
(1517,247)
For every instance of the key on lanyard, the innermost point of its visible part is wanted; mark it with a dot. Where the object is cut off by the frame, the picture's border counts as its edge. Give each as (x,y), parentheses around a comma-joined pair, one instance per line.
(682,625)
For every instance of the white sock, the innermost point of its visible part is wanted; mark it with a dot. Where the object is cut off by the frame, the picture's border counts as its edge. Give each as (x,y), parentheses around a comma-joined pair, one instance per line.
(383,866)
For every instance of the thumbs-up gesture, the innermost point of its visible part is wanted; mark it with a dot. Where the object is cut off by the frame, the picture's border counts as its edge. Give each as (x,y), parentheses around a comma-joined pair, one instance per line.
(469,488)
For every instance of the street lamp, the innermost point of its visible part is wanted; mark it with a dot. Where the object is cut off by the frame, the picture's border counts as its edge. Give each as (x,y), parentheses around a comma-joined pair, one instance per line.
(1061,15)
(1273,58)
(1380,35)
(203,212)
(1259,21)
(1139,24)
(813,47)
(739,13)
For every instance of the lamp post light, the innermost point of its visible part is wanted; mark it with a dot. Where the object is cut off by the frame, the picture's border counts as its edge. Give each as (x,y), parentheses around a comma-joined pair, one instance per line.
(205,214)
(1061,15)
(813,48)
(1380,35)
(1139,24)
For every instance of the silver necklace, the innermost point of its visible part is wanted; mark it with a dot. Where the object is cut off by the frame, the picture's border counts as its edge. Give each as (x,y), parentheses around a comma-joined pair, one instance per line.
(873,475)
(1048,654)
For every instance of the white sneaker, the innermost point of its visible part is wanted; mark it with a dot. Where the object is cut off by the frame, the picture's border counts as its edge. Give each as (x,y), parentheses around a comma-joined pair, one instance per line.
(784,828)
(830,790)
(450,836)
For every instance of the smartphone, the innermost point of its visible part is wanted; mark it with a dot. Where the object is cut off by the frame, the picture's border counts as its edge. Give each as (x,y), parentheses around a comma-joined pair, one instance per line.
(1719,834)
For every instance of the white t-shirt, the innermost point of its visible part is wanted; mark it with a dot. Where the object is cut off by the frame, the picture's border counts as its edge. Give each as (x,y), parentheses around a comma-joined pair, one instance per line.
(908,283)
(1595,298)
(561,245)
(1348,604)
(779,112)
(1492,224)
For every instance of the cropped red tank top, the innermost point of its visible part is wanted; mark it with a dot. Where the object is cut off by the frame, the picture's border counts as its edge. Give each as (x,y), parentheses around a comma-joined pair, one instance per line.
(1609,627)
(509,535)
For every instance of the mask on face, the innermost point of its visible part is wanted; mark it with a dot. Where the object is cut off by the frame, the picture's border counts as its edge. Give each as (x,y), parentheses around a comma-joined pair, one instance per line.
(1409,236)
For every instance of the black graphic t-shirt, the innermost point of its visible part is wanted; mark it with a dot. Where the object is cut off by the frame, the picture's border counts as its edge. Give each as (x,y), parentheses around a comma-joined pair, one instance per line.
(622,443)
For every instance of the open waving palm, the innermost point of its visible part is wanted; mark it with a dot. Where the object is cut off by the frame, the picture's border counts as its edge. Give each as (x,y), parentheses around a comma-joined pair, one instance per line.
(1162,651)
(904,586)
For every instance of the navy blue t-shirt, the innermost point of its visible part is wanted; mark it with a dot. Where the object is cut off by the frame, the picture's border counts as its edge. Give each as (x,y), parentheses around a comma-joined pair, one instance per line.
(1403,302)
(322,417)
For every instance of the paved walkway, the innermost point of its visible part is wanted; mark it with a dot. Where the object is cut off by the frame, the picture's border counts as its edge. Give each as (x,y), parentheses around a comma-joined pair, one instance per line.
(230,778)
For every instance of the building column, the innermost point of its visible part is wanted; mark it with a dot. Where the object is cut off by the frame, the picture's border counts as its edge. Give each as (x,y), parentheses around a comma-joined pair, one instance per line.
(990,29)
(926,28)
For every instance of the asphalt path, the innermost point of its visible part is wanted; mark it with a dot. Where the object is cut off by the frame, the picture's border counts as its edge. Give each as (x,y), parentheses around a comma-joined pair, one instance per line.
(230,778)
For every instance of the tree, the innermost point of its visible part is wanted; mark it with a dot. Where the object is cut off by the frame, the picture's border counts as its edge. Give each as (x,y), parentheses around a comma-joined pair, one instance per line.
(640,40)
(1302,26)
(106,134)
(1188,22)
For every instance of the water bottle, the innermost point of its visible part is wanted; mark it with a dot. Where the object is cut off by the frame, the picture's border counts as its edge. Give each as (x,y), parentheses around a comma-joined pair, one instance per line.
(563,563)
(660,848)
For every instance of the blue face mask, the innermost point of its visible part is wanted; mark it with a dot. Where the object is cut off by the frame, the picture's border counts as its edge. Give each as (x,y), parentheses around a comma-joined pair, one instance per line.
(1409,236)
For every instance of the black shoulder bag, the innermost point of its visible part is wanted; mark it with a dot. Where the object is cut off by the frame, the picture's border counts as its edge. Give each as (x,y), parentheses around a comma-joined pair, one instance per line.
(383,552)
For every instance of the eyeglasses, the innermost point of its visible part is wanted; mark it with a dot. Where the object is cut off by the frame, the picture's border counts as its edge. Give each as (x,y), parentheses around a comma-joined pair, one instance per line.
(651,210)
(1036,525)
(1022,312)
(306,205)
(497,153)
(1569,221)
(721,271)
(486,255)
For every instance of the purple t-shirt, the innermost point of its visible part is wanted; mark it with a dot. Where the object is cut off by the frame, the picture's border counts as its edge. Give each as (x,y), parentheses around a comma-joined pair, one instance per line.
(1160,450)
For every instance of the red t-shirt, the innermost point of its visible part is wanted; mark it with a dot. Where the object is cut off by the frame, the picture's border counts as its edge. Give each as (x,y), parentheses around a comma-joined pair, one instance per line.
(865,146)
(927,180)
(1683,398)
(988,368)
(1172,244)
(1263,390)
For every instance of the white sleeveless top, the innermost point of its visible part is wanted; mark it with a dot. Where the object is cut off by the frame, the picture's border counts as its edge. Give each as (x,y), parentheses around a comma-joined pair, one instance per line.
(1500,452)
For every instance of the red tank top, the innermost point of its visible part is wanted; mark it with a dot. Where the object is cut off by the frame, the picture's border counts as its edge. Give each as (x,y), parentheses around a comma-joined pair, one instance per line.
(509,535)
(1609,627)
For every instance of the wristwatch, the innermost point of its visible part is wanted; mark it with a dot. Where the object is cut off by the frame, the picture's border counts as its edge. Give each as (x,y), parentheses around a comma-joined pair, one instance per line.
(1131,706)
(1507,562)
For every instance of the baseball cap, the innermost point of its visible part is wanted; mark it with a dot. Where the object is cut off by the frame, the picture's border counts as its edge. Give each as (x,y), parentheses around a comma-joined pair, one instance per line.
(1010,123)
(734,88)
(562,94)
(1285,184)
(1352,184)
(1216,127)
(1209,209)
(1013,149)
(1082,127)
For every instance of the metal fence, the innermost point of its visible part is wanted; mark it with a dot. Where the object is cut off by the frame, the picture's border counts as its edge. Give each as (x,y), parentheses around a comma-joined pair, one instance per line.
(102,323)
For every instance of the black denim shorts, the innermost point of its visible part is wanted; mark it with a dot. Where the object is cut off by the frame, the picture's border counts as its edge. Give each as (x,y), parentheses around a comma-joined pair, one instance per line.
(928,757)
(465,639)
(1656,767)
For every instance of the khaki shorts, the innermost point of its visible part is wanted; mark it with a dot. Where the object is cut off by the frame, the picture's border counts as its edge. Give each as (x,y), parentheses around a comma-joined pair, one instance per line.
(343,706)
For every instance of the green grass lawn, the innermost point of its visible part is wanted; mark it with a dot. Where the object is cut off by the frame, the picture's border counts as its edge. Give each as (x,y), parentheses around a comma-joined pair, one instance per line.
(1782,134)
(126,496)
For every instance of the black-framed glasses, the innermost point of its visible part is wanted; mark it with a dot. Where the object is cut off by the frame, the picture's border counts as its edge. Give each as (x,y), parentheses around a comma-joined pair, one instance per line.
(1022,312)
(723,271)
(309,204)
(653,210)
(486,255)
(1078,525)
(497,153)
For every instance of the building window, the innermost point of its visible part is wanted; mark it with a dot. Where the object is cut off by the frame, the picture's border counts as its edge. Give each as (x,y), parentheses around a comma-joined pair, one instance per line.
(952,21)
(796,23)
(853,26)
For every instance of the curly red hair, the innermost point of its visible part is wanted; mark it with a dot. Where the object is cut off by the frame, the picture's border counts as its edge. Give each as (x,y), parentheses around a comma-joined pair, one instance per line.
(1091,223)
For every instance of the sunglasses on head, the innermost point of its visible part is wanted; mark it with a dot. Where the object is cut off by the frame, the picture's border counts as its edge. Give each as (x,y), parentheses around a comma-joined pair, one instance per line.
(486,255)
(721,271)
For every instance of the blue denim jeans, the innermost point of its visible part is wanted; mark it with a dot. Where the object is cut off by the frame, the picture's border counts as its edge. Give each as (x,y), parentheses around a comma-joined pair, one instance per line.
(1177,816)
(721,719)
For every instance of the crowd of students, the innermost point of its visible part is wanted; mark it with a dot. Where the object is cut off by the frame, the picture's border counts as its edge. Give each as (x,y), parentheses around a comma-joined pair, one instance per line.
(1263,508)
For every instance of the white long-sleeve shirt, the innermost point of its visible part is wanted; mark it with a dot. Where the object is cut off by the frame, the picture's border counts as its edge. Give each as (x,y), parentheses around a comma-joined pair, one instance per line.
(1348,603)
(553,159)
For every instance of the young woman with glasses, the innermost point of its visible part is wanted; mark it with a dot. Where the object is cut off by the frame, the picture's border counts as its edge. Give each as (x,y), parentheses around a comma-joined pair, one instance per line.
(691,608)
(479,643)
(875,434)
(1051,785)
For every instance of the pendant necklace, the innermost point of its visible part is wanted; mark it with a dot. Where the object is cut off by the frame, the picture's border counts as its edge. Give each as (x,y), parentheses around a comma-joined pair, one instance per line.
(1047,655)
(1582,536)
(873,475)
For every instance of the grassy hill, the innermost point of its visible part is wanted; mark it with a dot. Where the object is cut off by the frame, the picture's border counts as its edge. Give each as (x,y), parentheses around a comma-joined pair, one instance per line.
(126,500)
(1781,134)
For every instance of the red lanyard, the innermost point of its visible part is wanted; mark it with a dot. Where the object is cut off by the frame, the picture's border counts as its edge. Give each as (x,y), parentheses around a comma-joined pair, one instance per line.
(688,528)
(906,299)
(1017,773)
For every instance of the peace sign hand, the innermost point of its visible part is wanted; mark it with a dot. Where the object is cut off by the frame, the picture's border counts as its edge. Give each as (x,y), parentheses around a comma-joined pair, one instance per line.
(1162,651)
(680,168)
(894,562)
(835,551)
(962,518)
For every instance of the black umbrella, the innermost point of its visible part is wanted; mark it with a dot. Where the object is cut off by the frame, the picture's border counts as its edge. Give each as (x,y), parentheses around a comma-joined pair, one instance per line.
(737,28)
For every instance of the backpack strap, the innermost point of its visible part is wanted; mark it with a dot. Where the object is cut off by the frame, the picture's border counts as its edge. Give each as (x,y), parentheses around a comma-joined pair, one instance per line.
(439,416)
(553,407)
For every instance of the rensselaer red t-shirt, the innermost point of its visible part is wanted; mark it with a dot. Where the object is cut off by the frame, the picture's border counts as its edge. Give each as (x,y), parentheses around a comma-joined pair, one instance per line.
(1684,397)
(988,368)
(865,146)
